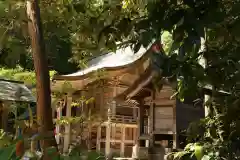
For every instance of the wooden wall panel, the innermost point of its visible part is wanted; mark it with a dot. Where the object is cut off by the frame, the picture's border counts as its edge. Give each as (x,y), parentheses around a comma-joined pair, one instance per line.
(163,118)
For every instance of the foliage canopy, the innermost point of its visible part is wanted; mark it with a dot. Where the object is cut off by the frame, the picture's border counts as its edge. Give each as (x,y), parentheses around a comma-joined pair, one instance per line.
(199,28)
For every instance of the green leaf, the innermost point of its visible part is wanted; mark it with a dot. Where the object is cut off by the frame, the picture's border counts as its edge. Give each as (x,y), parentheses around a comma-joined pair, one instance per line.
(175,45)
(179,155)
(7,152)
(206,157)
(189,147)
(198,151)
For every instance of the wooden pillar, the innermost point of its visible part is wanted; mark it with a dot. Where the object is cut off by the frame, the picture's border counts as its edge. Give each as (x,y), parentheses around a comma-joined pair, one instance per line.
(139,124)
(135,116)
(67,137)
(111,112)
(90,129)
(122,149)
(108,135)
(89,137)
(141,119)
(108,139)
(99,129)
(102,106)
(5,116)
(135,132)
(135,135)
(98,147)
(58,127)
(114,104)
(151,119)
(78,129)
(175,139)
(135,113)
(148,129)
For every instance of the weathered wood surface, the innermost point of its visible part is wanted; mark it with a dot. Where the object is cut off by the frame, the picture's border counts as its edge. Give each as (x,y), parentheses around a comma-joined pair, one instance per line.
(164,119)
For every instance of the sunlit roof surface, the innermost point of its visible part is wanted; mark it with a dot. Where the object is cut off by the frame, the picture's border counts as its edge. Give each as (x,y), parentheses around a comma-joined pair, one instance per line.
(122,57)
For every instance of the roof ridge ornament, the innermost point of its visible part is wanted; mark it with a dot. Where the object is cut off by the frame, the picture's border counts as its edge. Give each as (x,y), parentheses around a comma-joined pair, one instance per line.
(157,48)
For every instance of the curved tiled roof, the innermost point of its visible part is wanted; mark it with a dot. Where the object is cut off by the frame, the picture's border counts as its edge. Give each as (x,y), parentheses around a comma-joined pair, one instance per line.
(121,58)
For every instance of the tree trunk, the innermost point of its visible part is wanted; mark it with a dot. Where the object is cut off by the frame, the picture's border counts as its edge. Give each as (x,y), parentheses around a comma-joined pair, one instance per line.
(44,111)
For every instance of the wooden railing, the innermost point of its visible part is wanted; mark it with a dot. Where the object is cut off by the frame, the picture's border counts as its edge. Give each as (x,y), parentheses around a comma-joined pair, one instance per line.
(123,119)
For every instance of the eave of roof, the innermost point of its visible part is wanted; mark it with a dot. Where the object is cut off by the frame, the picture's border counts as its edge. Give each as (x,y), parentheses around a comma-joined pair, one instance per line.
(138,85)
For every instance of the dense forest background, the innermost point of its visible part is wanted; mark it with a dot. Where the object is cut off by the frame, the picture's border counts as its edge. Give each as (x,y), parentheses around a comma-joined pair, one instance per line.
(201,30)
(69,36)
(15,49)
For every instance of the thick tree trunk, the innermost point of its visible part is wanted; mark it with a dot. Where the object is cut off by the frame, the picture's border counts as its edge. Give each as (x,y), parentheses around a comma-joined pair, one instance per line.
(44,111)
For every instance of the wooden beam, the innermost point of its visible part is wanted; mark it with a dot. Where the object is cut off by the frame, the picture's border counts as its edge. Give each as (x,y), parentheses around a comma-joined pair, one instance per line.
(119,141)
(164,132)
(127,106)
(120,124)
(142,85)
(161,101)
(121,158)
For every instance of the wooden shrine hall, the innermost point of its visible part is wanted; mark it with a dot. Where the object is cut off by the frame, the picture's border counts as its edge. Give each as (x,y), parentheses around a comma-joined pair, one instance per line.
(129,110)
(115,128)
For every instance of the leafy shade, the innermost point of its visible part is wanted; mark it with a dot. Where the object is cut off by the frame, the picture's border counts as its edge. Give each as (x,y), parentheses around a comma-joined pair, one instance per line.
(19,74)
(200,29)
